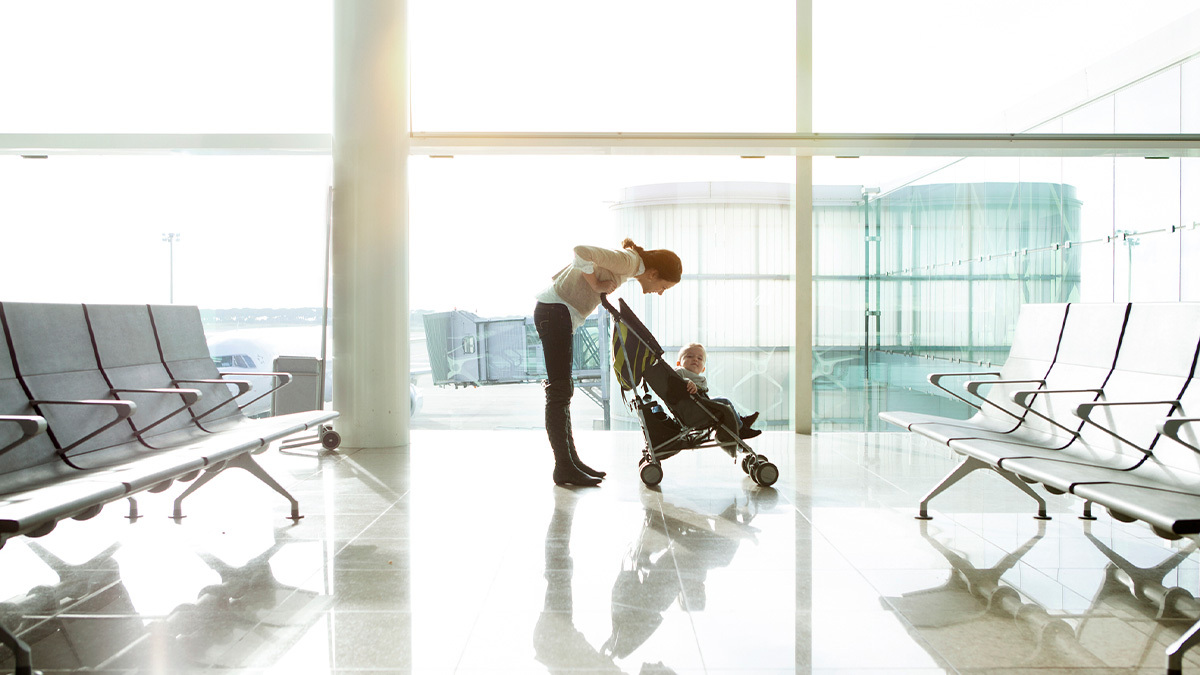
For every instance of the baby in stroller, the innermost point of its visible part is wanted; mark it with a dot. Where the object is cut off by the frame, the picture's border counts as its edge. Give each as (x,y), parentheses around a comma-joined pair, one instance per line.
(638,362)
(691,363)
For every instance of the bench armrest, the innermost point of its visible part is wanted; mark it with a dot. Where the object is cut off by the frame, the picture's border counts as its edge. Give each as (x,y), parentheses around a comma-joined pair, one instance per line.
(1084,412)
(282,379)
(936,380)
(242,385)
(123,409)
(31,425)
(287,376)
(1170,428)
(974,385)
(189,397)
(1022,397)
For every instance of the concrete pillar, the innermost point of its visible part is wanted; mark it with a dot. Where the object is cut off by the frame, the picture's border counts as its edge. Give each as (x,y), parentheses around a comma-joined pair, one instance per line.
(802,356)
(370,223)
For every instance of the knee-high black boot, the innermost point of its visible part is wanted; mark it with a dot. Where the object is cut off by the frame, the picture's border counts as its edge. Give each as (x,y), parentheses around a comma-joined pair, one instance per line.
(595,473)
(554,328)
(558,429)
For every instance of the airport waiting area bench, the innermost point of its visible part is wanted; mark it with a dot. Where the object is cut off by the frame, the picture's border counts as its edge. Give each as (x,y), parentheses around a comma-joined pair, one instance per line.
(1100,401)
(101,402)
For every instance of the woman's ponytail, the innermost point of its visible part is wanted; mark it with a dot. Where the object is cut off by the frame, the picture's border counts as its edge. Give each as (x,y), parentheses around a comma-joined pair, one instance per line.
(665,262)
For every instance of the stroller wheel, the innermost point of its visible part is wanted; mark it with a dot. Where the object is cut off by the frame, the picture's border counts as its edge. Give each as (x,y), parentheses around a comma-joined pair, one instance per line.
(765,474)
(651,473)
(746,462)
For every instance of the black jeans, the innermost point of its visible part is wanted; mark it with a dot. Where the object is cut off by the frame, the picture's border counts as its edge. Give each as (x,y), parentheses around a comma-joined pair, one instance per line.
(553,322)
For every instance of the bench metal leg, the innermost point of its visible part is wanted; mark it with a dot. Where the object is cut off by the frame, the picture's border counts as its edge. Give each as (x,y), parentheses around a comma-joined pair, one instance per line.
(208,475)
(20,650)
(1027,489)
(1087,510)
(1176,649)
(968,465)
(965,467)
(133,510)
(246,462)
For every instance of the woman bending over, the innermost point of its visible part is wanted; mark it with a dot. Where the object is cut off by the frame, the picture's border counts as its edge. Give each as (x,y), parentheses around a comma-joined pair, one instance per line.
(562,308)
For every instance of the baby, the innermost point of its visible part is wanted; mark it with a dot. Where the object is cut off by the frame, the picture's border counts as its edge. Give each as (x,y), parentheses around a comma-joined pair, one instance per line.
(690,365)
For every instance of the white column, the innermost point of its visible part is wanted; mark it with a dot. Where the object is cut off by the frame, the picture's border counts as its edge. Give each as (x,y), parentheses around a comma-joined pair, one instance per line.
(802,356)
(370,223)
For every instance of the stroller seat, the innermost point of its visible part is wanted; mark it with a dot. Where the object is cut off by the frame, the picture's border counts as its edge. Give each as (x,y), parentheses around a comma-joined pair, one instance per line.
(694,421)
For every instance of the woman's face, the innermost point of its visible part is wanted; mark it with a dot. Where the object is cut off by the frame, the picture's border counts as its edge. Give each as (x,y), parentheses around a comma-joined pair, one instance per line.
(651,283)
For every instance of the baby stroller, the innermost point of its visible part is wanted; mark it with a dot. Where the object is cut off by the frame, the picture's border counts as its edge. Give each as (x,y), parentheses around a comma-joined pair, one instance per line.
(637,360)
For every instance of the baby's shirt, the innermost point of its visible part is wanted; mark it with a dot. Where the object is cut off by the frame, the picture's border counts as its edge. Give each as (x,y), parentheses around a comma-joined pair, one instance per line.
(700,380)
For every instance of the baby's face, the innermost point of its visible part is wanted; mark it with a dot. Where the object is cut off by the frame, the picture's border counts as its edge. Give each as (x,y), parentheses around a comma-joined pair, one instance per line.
(693,360)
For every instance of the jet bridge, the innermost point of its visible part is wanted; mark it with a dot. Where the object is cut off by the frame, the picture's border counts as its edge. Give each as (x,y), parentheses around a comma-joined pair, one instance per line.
(466,350)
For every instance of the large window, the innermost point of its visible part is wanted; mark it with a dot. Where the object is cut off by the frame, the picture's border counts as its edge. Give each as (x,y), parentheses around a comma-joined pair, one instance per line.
(618,65)
(929,276)
(917,259)
(943,66)
(241,237)
(144,66)
(478,262)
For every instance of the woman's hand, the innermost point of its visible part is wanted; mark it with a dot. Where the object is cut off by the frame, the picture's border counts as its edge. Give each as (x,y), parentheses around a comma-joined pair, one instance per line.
(600,286)
(691,387)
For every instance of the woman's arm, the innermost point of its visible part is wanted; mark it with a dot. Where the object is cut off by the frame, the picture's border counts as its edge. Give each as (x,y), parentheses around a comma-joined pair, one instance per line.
(623,262)
(600,286)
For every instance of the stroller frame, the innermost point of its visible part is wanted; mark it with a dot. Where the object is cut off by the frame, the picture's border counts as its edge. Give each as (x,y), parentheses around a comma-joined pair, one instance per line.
(637,358)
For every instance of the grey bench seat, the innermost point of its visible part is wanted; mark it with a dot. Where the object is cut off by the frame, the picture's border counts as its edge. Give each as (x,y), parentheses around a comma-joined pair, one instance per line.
(101,402)
(142,430)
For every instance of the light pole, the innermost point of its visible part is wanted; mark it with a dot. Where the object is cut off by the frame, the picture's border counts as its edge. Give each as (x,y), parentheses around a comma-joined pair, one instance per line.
(171,238)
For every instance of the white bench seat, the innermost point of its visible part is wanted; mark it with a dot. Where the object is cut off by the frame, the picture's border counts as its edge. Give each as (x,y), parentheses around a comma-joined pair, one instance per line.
(1032,354)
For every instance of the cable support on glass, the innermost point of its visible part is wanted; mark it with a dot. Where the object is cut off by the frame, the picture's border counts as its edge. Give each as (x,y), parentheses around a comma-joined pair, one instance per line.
(948,359)
(1119,235)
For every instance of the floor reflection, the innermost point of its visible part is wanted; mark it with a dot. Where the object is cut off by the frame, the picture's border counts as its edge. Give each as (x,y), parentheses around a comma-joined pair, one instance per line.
(664,568)
(557,643)
(983,618)
(90,620)
(403,566)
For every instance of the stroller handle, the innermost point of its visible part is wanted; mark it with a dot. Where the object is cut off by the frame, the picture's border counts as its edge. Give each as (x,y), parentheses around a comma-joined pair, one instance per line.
(608,305)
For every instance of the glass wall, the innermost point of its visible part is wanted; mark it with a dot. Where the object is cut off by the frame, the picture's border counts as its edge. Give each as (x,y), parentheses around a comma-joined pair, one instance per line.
(945,66)
(618,65)
(479,262)
(918,260)
(241,237)
(929,276)
(144,66)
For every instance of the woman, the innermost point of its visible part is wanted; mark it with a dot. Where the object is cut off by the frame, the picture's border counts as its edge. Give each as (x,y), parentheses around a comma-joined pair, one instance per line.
(562,309)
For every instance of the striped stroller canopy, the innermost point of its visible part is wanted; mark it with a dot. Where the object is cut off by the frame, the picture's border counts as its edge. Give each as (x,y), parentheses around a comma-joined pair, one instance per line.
(634,348)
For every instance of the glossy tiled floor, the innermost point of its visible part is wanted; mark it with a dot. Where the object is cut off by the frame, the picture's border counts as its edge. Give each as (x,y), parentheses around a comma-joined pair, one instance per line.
(459,555)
